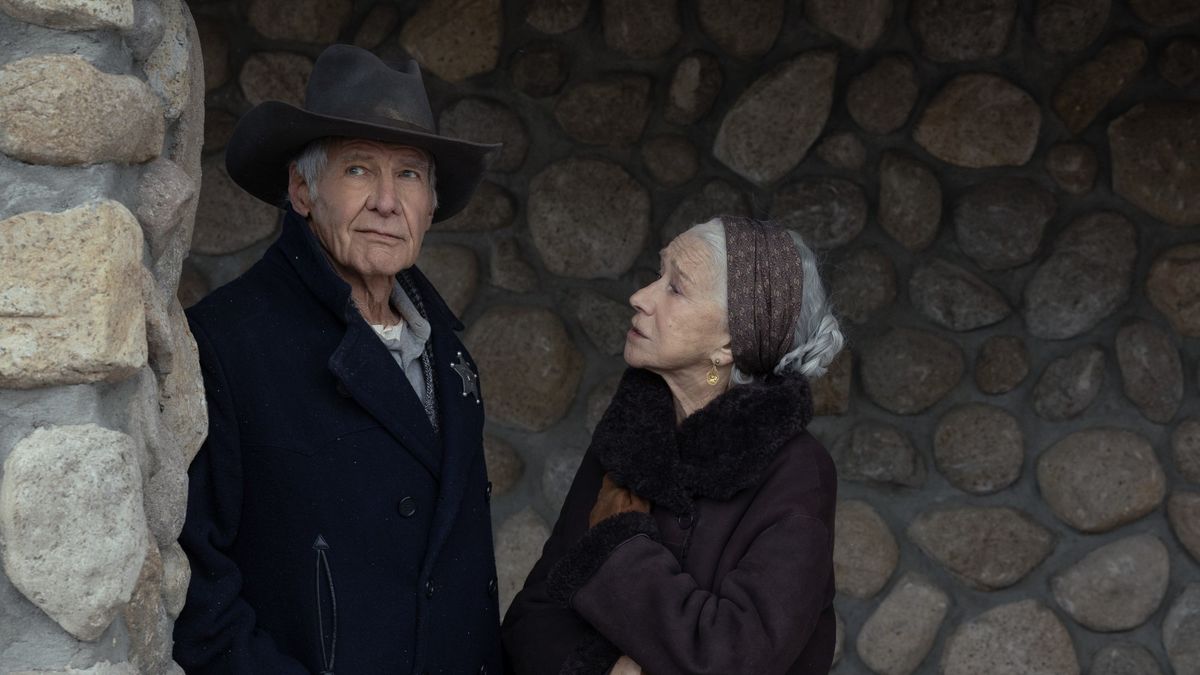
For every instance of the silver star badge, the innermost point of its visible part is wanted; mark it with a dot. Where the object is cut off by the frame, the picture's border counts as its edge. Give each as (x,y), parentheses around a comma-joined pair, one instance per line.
(470,381)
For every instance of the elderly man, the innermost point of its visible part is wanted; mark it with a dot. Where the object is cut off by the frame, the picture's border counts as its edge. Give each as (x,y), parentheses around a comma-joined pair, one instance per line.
(338,516)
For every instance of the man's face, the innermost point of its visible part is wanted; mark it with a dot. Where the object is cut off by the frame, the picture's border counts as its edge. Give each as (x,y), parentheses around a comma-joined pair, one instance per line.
(372,208)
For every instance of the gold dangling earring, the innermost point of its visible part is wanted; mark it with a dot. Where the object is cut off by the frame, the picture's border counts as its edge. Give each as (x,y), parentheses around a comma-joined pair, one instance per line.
(713,376)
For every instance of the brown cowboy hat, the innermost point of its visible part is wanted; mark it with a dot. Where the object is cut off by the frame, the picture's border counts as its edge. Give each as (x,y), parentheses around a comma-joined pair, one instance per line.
(352,93)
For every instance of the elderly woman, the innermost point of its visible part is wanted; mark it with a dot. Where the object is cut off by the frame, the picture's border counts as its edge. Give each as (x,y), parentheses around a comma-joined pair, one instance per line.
(697,536)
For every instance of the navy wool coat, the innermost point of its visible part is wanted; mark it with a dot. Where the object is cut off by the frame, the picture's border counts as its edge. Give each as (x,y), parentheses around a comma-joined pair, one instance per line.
(329,528)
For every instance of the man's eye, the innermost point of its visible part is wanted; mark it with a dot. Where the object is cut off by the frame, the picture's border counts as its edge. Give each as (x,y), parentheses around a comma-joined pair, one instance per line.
(409,173)
(355,171)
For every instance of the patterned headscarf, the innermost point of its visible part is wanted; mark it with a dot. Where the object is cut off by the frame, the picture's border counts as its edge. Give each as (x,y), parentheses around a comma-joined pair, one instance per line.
(766,281)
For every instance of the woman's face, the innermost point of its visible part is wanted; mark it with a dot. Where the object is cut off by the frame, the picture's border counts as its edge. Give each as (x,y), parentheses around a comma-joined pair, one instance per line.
(679,325)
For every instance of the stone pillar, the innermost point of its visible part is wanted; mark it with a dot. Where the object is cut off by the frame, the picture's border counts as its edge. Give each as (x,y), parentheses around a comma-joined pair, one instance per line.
(101,401)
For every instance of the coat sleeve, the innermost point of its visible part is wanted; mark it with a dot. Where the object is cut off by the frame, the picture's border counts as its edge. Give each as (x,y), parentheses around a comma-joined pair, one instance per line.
(542,636)
(757,619)
(216,631)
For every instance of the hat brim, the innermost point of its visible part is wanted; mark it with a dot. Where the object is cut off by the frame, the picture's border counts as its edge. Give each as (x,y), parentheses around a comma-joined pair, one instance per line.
(270,136)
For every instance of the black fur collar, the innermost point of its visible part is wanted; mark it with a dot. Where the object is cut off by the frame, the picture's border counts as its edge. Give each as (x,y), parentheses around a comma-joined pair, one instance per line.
(718,451)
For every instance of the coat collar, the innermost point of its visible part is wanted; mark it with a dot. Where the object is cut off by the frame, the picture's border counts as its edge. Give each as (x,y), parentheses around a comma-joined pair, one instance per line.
(363,365)
(718,451)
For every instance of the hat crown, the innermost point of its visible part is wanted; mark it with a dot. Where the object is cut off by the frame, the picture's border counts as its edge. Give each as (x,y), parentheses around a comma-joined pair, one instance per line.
(352,83)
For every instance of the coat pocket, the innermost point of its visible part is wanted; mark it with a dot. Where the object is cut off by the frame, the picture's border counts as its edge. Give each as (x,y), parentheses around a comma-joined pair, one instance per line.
(326,606)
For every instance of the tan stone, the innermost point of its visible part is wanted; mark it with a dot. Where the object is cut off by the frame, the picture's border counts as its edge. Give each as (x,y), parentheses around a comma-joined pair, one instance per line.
(509,269)
(589,218)
(979,448)
(529,367)
(1181,631)
(1117,586)
(146,618)
(1173,285)
(228,219)
(518,546)
(771,126)
(177,572)
(101,668)
(192,285)
(504,464)
(985,547)
(165,196)
(1183,510)
(317,21)
(599,399)
(864,551)
(455,39)
(168,71)
(1155,149)
(831,391)
(980,120)
(744,28)
(275,76)
(555,16)
(896,638)
(1089,87)
(71,297)
(858,23)
(376,26)
(454,272)
(59,109)
(215,45)
(1018,638)
(1099,479)
(72,521)
(72,14)
(490,208)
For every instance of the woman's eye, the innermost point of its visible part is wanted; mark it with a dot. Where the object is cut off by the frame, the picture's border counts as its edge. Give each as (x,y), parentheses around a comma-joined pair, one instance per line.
(673,289)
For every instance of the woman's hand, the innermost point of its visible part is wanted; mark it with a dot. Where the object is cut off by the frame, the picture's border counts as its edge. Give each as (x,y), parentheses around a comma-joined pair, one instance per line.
(614,499)
(625,665)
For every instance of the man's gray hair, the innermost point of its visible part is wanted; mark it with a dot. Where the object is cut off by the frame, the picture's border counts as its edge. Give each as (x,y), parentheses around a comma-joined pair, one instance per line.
(818,336)
(312,160)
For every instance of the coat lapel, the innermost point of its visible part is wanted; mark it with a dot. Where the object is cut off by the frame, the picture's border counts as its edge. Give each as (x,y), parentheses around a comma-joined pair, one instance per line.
(461,427)
(370,375)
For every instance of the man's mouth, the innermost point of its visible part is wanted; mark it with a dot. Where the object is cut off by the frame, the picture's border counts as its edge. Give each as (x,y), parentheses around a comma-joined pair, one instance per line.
(379,233)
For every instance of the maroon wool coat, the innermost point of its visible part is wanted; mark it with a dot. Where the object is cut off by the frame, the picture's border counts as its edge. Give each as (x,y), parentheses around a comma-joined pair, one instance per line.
(731,572)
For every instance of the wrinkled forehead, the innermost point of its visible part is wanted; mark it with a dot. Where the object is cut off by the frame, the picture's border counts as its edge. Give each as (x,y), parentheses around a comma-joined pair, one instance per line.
(692,257)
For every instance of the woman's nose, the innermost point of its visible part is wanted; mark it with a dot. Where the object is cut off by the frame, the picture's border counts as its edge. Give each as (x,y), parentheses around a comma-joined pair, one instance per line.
(639,299)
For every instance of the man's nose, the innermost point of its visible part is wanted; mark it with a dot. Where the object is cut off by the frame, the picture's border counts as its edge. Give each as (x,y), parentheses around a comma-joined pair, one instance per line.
(383,196)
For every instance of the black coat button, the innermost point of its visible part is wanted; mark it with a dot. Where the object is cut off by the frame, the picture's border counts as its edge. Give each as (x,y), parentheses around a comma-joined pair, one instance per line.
(407,507)
(487,492)
(342,390)
(492,585)
(429,588)
(482,670)
(684,521)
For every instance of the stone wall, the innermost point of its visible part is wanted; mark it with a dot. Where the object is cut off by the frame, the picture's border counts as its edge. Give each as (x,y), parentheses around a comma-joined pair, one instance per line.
(101,403)
(1004,193)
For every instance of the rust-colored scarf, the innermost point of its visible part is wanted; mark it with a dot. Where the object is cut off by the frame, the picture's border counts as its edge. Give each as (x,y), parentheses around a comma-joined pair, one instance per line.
(766,281)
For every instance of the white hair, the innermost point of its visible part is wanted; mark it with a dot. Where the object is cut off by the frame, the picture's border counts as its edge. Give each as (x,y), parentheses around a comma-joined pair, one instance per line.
(312,160)
(817,335)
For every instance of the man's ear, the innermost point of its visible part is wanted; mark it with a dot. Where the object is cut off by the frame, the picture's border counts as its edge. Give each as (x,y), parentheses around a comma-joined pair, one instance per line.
(298,191)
